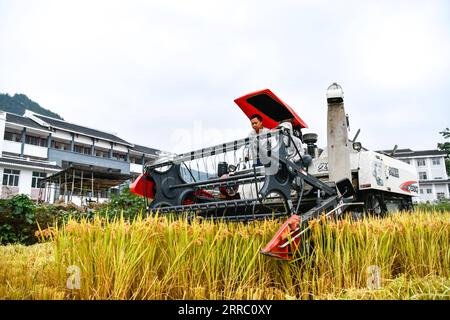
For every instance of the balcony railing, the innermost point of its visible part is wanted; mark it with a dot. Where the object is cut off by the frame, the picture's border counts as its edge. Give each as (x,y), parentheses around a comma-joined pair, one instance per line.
(28,159)
(61,155)
(136,168)
(35,151)
(12,146)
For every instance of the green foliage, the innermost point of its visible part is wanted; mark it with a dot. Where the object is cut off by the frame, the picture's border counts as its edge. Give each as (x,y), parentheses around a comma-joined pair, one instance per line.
(442,205)
(445,147)
(20,218)
(22,207)
(19,102)
(17,220)
(48,215)
(447,166)
(445,133)
(126,203)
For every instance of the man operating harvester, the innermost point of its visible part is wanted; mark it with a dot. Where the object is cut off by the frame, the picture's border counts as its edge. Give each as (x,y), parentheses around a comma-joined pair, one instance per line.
(258,128)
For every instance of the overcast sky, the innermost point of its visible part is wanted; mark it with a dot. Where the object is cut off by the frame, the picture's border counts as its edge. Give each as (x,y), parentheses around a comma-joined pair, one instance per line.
(164,74)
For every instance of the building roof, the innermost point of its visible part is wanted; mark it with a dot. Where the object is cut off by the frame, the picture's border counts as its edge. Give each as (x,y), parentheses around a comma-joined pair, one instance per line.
(59,124)
(30,163)
(145,150)
(410,153)
(447,181)
(23,121)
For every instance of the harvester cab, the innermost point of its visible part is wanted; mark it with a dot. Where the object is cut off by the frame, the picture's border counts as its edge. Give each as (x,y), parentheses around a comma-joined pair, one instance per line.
(216,183)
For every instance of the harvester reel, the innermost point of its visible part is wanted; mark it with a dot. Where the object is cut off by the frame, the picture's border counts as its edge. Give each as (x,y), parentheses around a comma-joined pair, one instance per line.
(165,194)
(247,194)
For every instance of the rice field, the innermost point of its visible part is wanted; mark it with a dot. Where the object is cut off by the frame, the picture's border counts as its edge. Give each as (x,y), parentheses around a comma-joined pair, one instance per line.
(403,256)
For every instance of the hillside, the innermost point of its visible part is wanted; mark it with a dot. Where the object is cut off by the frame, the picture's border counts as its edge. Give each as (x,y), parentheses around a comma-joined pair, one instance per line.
(19,103)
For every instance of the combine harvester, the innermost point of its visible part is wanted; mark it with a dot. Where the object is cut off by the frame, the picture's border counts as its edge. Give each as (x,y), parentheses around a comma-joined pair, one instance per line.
(295,181)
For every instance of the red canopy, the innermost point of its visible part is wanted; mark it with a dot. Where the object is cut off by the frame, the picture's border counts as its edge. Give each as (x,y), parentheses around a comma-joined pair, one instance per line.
(271,108)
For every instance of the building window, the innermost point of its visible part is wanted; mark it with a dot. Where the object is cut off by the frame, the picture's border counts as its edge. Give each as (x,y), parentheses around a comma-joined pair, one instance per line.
(12,136)
(60,145)
(421,163)
(119,156)
(82,149)
(436,161)
(429,191)
(36,141)
(11,177)
(422,175)
(440,195)
(37,177)
(101,154)
(421,191)
(136,160)
(407,161)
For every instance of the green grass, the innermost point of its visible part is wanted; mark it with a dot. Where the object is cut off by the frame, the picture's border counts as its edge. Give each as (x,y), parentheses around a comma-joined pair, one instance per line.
(156,258)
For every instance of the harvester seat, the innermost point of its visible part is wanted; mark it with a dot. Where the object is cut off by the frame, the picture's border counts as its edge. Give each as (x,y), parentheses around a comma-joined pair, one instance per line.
(296,147)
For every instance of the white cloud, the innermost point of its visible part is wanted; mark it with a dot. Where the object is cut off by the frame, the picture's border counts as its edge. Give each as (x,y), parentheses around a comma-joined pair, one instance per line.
(400,45)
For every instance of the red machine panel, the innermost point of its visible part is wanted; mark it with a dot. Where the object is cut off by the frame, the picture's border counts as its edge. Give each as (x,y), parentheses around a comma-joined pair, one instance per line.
(271,108)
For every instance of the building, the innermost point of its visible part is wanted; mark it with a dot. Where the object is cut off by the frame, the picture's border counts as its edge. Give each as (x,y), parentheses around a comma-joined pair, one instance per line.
(434,183)
(35,147)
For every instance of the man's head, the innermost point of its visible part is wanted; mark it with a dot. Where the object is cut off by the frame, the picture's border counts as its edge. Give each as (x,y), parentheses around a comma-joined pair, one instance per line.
(256,121)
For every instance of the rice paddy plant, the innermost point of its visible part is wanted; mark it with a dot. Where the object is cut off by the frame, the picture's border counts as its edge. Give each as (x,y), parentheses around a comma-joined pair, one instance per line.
(28,273)
(413,245)
(406,254)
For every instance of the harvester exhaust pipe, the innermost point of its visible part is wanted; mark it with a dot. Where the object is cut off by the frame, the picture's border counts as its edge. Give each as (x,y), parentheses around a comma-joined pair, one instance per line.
(337,135)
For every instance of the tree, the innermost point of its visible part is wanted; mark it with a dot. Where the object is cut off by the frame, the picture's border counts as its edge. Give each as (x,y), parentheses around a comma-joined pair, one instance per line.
(20,102)
(446,148)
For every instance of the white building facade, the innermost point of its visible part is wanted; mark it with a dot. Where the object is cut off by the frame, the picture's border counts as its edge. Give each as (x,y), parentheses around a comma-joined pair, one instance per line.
(33,147)
(434,183)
